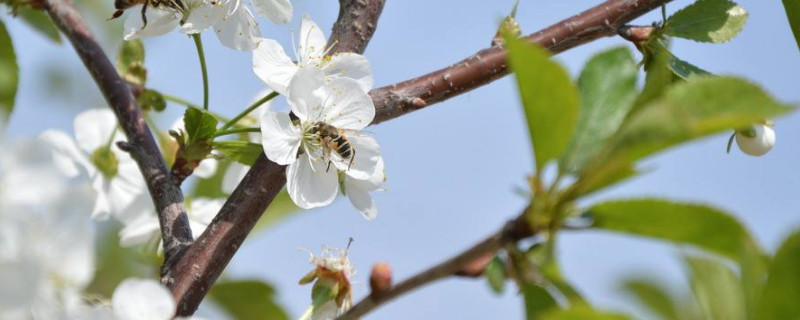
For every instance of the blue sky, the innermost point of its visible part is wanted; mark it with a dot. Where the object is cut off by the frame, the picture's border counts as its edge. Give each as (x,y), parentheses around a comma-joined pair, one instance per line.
(447,190)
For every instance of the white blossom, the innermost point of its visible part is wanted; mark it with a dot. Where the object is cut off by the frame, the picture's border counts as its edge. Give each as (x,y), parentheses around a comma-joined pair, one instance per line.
(275,68)
(278,11)
(146,228)
(113,174)
(137,299)
(757,141)
(357,191)
(313,177)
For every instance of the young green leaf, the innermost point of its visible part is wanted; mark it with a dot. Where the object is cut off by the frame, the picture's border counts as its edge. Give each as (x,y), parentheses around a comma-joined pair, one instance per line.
(691,109)
(537,301)
(9,74)
(243,152)
(608,88)
(495,273)
(653,297)
(792,8)
(716,288)
(200,125)
(549,98)
(40,22)
(714,21)
(688,224)
(684,70)
(130,62)
(151,100)
(782,292)
(581,313)
(247,300)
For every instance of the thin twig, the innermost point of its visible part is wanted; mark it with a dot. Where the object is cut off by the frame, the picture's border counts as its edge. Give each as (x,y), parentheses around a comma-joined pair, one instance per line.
(198,42)
(167,197)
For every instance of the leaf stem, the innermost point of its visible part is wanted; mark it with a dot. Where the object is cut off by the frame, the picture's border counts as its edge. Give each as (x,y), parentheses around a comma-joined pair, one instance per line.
(188,104)
(221,132)
(249,109)
(198,42)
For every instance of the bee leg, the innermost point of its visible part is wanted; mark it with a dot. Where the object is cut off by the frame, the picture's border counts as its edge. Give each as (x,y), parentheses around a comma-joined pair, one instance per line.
(329,166)
(144,17)
(353,158)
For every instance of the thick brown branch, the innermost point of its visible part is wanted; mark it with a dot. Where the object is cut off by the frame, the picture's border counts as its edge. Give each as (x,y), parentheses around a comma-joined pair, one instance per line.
(205,260)
(142,147)
(514,230)
(490,64)
(355,25)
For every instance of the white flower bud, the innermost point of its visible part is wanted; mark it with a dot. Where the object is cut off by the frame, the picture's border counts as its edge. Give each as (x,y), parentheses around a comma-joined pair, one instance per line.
(756,142)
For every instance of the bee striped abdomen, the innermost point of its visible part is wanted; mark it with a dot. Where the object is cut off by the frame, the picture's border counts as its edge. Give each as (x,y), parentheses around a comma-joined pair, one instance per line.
(343,147)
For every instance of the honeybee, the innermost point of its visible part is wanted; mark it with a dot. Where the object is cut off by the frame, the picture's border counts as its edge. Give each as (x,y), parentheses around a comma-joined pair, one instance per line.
(122,5)
(333,140)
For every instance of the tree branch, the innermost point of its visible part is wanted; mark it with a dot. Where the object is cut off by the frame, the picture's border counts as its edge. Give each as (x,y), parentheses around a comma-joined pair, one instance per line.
(166,196)
(355,25)
(513,231)
(204,261)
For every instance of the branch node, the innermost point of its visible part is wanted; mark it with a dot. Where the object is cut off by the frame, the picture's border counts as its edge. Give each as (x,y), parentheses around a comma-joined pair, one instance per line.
(125,146)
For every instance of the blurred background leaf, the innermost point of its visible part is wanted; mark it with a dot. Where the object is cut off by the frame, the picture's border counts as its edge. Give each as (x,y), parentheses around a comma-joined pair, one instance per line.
(247,300)
(9,74)
(714,21)
(40,22)
(782,291)
(717,289)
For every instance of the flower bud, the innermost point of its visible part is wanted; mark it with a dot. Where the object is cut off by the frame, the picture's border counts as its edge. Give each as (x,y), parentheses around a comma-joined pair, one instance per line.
(756,140)
(380,279)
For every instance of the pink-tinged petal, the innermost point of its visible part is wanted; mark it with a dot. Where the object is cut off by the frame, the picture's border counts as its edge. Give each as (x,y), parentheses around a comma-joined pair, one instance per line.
(239,30)
(159,22)
(366,158)
(273,66)
(312,40)
(66,155)
(348,107)
(307,91)
(311,188)
(93,128)
(277,11)
(279,137)
(136,299)
(353,66)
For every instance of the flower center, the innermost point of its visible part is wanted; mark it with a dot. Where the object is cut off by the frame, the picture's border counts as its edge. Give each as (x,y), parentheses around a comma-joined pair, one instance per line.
(105,161)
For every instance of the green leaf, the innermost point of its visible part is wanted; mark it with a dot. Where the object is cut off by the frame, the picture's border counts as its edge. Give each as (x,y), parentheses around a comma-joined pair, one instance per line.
(792,8)
(200,125)
(582,313)
(684,70)
(130,62)
(247,300)
(717,289)
(689,224)
(537,301)
(244,152)
(495,273)
(608,89)
(653,297)
(714,21)
(151,100)
(9,74)
(40,22)
(691,109)
(549,98)
(782,292)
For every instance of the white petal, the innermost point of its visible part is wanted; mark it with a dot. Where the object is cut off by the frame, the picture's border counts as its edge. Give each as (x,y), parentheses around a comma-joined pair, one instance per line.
(204,210)
(280,137)
(93,128)
(20,279)
(139,231)
(307,91)
(273,66)
(349,107)
(66,155)
(136,299)
(353,66)
(361,200)
(759,145)
(206,15)
(101,209)
(311,188)
(206,168)
(278,11)
(312,40)
(366,158)
(235,173)
(159,22)
(239,30)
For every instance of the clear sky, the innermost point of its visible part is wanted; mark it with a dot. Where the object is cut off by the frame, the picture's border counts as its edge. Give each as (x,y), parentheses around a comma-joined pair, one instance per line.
(446,188)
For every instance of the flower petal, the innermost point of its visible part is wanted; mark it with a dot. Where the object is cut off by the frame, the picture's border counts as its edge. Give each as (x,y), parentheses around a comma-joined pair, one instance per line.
(93,128)
(205,15)
(273,66)
(203,210)
(312,41)
(239,30)
(278,11)
(307,91)
(139,231)
(159,22)
(366,158)
(280,138)
(311,187)
(349,106)
(137,299)
(353,66)
(235,173)
(207,168)
(66,155)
